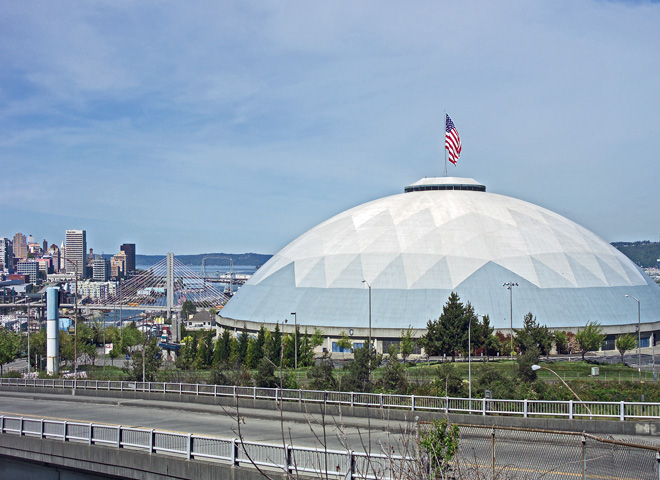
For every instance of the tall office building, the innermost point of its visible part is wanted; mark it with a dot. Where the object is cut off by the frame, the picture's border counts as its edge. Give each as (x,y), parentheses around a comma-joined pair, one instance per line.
(100,269)
(6,254)
(20,246)
(29,268)
(54,252)
(76,247)
(129,250)
(118,265)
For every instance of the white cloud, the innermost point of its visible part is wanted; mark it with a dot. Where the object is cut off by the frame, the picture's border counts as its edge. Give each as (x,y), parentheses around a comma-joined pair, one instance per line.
(300,109)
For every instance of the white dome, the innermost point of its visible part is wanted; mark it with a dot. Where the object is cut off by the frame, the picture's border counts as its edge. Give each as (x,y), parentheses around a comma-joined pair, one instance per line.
(444,235)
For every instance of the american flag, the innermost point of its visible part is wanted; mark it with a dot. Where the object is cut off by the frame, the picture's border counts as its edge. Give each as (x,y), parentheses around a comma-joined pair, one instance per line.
(452,141)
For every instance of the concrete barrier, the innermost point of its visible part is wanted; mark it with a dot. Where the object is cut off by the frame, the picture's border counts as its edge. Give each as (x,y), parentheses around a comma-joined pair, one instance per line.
(34,454)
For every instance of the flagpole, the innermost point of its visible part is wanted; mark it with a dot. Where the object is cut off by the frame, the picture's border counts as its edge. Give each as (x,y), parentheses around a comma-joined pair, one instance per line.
(443,143)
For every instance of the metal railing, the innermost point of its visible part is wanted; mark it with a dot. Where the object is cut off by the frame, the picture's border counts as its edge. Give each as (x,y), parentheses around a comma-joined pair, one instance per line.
(287,458)
(570,409)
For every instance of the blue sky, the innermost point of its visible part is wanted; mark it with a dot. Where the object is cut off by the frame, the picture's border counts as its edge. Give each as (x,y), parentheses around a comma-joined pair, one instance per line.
(236,126)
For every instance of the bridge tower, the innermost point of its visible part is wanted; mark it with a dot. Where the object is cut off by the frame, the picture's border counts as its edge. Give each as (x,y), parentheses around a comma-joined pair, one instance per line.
(170,284)
(176,330)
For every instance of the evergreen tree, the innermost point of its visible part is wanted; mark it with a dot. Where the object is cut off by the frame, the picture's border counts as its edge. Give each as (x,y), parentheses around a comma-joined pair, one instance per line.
(357,377)
(265,376)
(525,362)
(321,375)
(533,335)
(490,342)
(259,346)
(305,351)
(445,336)
(204,355)
(222,348)
(249,360)
(234,352)
(187,353)
(288,350)
(561,342)
(394,378)
(274,347)
(243,340)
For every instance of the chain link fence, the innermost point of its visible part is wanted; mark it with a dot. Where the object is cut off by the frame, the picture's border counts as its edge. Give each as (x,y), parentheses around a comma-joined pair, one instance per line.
(520,453)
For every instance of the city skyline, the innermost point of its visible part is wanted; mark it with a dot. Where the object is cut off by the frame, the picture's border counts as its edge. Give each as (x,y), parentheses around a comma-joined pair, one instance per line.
(238,127)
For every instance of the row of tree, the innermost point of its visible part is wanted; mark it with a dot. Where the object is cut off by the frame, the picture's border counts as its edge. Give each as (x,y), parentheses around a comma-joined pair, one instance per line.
(448,335)
(201,351)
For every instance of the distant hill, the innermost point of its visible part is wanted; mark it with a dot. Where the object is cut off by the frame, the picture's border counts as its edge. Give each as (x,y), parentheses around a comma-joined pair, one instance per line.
(644,253)
(251,259)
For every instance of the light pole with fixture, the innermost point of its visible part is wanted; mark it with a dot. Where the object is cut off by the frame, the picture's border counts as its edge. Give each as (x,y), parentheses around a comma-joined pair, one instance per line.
(639,335)
(509,286)
(367,283)
(539,367)
(295,340)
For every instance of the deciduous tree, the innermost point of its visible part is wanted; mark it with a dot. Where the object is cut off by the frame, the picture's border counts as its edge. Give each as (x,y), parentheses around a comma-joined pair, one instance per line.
(408,343)
(589,338)
(625,343)
(9,346)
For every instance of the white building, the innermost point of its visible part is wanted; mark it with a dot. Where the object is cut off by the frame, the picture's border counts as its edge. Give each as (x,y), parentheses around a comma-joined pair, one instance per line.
(76,248)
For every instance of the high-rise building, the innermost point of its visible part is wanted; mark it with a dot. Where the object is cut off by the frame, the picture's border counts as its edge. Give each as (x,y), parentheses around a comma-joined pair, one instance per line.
(54,252)
(118,265)
(20,246)
(29,268)
(45,246)
(6,254)
(76,247)
(129,250)
(100,269)
(62,257)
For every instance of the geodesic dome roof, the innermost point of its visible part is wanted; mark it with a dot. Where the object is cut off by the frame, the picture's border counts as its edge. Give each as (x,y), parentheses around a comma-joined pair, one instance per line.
(444,235)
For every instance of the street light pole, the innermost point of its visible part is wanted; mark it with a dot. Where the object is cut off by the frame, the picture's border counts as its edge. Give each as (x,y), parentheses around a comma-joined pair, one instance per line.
(539,367)
(367,283)
(470,361)
(295,340)
(509,286)
(639,336)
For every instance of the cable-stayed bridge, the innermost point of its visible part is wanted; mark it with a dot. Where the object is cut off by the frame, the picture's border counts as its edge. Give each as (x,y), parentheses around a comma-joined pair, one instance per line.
(164,286)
